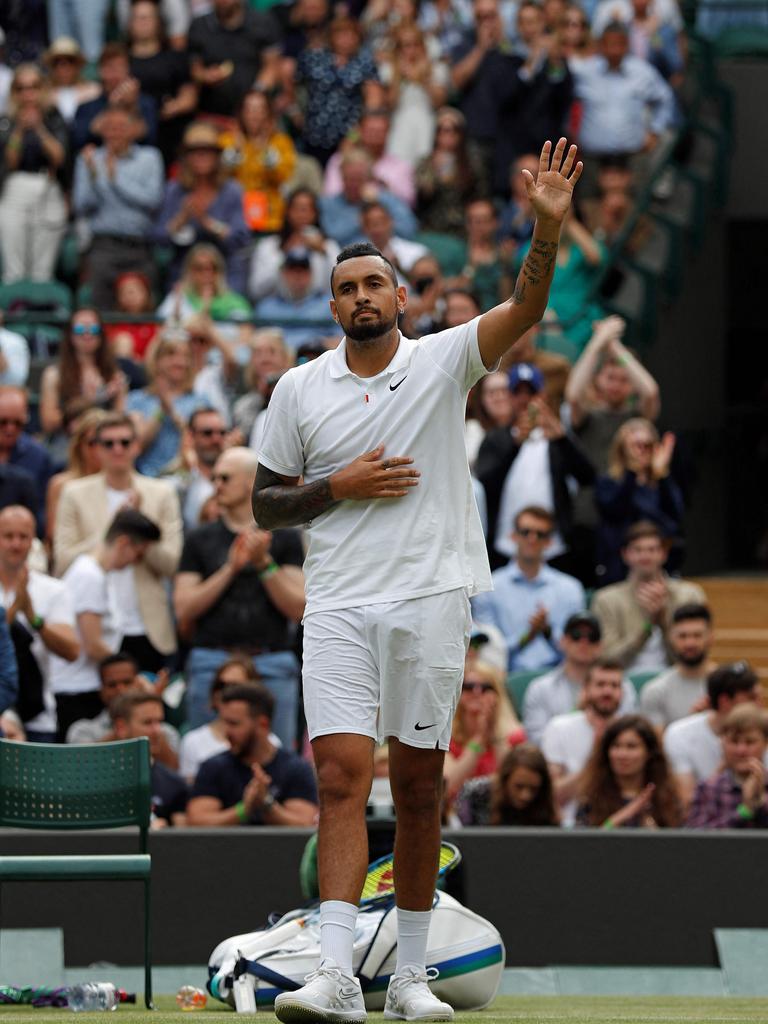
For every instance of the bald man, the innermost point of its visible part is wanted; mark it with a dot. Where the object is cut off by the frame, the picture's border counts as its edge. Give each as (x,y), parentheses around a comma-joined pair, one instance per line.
(238,590)
(42,623)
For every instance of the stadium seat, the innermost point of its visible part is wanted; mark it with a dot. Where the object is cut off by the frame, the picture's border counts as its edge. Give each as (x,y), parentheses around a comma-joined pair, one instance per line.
(517,684)
(87,786)
(450,252)
(639,679)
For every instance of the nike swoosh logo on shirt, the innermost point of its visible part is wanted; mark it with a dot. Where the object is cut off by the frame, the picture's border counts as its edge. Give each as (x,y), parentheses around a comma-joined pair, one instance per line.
(420,728)
(394,387)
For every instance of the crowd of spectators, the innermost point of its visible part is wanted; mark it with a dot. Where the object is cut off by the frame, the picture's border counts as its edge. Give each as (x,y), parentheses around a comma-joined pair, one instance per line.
(205,160)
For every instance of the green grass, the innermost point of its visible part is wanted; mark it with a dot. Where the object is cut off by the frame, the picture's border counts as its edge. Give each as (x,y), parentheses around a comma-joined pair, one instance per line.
(506,1010)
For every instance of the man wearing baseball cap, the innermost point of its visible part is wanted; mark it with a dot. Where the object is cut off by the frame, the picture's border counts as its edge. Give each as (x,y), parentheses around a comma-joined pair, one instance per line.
(561,690)
(527,464)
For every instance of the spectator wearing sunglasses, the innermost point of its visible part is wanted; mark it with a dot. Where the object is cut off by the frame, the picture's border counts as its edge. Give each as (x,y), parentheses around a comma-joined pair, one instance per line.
(561,690)
(531,601)
(207,432)
(18,449)
(87,506)
(484,727)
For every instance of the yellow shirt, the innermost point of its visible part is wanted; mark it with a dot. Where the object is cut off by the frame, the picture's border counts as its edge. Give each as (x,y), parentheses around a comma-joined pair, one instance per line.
(261,170)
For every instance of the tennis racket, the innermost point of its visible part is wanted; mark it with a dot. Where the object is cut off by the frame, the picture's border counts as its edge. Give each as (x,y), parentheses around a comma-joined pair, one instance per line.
(379,884)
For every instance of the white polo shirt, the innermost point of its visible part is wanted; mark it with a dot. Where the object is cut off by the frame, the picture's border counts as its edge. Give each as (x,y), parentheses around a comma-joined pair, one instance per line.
(322,417)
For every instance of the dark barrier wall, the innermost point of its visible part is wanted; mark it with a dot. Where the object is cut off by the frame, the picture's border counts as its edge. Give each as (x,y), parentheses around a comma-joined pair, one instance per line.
(558,898)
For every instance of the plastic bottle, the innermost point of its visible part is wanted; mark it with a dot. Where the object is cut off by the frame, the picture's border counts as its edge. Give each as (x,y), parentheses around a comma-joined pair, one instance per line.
(190,998)
(93,995)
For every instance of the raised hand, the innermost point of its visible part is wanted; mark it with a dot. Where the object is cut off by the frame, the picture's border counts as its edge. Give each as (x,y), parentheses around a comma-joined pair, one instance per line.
(370,476)
(662,455)
(550,192)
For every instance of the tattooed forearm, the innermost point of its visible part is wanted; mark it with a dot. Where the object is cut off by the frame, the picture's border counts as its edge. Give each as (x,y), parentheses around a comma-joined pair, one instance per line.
(536,271)
(276,503)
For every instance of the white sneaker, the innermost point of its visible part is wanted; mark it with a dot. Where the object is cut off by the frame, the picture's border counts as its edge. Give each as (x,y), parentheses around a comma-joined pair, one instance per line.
(328,995)
(410,998)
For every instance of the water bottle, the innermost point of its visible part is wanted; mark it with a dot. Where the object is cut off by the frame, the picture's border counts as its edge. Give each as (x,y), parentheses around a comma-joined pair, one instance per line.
(93,995)
(190,998)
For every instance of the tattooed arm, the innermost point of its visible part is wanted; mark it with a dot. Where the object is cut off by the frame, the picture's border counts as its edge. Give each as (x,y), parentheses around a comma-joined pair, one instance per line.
(282,501)
(550,194)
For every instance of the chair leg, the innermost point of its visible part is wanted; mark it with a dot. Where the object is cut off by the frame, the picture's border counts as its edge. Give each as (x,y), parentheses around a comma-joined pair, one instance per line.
(147,947)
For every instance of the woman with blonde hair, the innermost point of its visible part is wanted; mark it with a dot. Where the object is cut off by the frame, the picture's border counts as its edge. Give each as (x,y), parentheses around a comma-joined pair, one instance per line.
(34,142)
(203,288)
(638,486)
(484,727)
(83,460)
(270,357)
(161,411)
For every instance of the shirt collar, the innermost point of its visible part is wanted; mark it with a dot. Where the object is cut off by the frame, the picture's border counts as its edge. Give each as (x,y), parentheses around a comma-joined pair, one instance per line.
(517,574)
(400,360)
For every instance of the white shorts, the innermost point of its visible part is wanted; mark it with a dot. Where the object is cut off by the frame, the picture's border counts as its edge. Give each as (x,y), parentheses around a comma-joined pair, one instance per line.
(387,669)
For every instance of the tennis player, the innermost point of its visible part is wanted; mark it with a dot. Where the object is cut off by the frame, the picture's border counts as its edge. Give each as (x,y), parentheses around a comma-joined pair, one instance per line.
(365,445)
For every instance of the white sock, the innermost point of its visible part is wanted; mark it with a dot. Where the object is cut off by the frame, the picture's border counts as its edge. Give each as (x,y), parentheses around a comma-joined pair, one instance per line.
(412,934)
(337,932)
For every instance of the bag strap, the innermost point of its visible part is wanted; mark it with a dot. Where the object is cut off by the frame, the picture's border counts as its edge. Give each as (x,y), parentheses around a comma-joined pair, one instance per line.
(263,973)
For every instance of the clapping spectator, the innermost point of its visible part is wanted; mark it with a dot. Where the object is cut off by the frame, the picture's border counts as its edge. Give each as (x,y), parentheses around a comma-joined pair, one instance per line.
(214,361)
(638,486)
(133,296)
(118,89)
(300,228)
(161,410)
(628,782)
(449,177)
(339,80)
(269,358)
(390,171)
(416,87)
(484,727)
(402,253)
(341,214)
(517,218)
(262,159)
(34,145)
(86,369)
(174,16)
(233,48)
(162,73)
(118,190)
(636,614)
(487,270)
(203,205)
(736,797)
(518,794)
(203,288)
(68,87)
(574,36)
(531,602)
(210,739)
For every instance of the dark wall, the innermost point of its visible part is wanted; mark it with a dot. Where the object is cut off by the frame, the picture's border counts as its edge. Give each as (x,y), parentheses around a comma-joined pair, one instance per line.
(558,898)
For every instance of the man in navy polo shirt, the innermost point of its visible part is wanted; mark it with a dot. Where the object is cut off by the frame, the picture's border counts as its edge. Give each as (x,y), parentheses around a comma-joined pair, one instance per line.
(254,782)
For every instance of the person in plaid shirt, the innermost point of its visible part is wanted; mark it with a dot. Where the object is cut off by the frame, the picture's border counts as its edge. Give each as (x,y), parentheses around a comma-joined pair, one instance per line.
(736,797)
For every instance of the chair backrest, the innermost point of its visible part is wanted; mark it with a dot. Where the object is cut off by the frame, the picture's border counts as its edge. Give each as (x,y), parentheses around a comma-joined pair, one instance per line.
(41,296)
(517,684)
(75,786)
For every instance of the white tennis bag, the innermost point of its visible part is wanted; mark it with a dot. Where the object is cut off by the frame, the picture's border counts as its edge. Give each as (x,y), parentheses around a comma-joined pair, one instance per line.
(465,948)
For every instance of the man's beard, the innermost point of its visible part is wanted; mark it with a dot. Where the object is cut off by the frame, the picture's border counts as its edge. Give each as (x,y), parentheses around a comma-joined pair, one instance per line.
(602,711)
(366,333)
(692,660)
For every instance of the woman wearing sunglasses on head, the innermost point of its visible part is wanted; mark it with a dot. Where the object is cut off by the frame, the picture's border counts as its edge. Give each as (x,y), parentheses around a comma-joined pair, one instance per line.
(484,727)
(86,369)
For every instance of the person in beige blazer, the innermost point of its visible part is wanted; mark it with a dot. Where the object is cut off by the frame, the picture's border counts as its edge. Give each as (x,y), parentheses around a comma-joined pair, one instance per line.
(636,615)
(87,507)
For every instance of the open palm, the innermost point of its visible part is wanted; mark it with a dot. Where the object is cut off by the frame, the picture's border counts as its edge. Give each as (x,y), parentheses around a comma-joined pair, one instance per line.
(550,192)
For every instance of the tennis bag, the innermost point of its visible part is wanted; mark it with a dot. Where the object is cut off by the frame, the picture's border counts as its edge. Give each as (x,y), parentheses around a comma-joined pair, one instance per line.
(465,948)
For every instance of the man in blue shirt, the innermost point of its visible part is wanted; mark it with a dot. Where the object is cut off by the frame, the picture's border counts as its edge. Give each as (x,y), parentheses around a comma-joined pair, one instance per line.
(19,449)
(626,104)
(530,602)
(296,303)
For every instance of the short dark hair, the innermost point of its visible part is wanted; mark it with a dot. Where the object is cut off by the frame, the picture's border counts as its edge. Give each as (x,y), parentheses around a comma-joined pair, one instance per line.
(465,292)
(690,611)
(641,529)
(122,707)
(611,664)
(115,419)
(207,411)
(120,658)
(728,680)
(258,698)
(538,512)
(374,204)
(615,26)
(113,50)
(352,252)
(129,522)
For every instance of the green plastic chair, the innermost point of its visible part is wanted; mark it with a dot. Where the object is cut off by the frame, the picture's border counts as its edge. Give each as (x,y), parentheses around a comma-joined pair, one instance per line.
(86,786)
(518,683)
